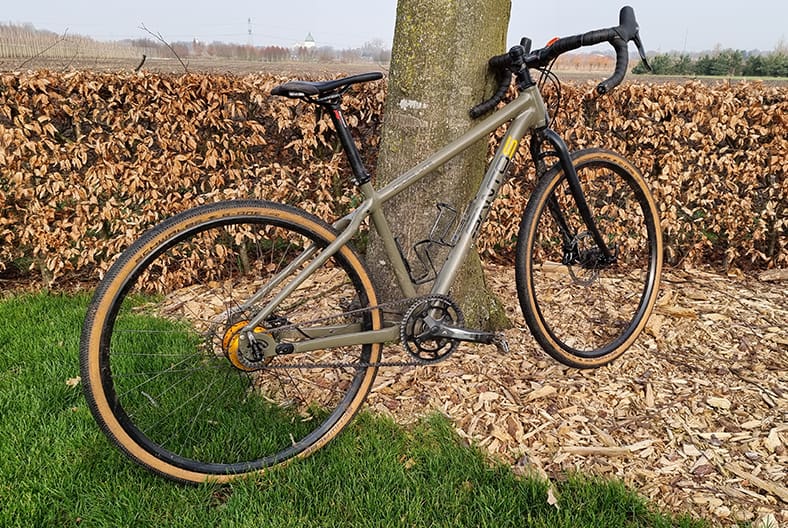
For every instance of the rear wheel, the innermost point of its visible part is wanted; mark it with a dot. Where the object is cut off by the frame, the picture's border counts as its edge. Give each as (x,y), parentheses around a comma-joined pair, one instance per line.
(583,309)
(165,373)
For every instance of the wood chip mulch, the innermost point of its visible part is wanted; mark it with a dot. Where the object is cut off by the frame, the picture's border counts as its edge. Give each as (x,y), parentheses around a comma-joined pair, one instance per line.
(694,416)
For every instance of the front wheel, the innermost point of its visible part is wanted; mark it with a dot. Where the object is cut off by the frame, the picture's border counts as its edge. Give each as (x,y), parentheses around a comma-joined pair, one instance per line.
(163,371)
(585,309)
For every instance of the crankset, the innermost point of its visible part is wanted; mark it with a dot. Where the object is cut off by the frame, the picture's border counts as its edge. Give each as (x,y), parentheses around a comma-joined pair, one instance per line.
(433,327)
(421,328)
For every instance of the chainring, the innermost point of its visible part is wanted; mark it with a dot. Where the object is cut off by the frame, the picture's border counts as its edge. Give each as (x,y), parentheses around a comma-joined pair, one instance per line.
(415,328)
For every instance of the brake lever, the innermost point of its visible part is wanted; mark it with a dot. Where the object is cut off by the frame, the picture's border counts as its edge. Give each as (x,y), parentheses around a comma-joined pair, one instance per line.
(642,52)
(526,43)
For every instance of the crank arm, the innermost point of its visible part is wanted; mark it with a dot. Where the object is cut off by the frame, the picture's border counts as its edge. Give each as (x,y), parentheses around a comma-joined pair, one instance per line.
(436,329)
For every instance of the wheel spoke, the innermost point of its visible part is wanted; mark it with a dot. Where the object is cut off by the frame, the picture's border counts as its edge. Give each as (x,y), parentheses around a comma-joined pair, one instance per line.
(170,358)
(585,312)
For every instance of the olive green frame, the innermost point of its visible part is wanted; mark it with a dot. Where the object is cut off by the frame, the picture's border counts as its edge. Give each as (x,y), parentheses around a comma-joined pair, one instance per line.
(525,113)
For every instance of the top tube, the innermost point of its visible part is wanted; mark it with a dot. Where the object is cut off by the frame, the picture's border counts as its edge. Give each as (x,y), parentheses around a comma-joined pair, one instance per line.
(529,103)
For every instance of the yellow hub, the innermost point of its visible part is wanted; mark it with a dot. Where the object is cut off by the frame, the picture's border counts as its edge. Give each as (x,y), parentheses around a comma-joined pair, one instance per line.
(230,345)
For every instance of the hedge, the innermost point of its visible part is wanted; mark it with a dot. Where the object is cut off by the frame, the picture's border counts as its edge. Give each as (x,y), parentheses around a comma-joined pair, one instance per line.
(89,160)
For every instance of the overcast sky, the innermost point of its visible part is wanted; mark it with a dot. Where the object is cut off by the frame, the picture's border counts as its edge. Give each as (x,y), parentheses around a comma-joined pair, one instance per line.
(666,25)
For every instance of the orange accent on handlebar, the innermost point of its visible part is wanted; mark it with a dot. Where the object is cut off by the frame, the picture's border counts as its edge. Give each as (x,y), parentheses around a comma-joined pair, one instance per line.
(551,42)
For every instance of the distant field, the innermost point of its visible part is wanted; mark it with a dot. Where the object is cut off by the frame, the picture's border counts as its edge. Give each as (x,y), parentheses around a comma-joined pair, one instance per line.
(159,65)
(309,69)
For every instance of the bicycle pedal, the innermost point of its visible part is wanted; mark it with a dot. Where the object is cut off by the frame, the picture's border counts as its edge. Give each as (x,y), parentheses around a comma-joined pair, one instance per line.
(499,340)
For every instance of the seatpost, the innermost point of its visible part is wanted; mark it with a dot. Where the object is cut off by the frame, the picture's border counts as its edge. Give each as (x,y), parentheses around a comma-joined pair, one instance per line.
(360,174)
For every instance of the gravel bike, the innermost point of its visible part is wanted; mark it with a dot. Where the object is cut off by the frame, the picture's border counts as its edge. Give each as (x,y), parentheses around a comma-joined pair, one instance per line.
(238,335)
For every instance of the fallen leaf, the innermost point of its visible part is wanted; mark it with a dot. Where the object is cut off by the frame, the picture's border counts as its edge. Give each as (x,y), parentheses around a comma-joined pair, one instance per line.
(552,500)
(767,521)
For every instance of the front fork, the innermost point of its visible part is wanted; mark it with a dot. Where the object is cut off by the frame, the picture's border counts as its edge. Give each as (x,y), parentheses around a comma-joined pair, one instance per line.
(561,151)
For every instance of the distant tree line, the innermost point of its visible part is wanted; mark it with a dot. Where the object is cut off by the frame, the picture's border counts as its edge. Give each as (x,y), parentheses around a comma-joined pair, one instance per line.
(25,41)
(373,51)
(724,63)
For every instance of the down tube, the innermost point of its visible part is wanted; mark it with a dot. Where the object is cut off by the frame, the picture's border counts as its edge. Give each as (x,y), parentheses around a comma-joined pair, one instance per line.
(480,207)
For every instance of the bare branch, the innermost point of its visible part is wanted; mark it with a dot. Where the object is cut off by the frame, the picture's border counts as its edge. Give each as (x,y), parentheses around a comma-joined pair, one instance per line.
(31,59)
(73,57)
(158,37)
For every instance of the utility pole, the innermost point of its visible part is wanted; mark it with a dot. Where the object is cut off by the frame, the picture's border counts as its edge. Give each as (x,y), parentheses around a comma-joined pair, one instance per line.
(249,40)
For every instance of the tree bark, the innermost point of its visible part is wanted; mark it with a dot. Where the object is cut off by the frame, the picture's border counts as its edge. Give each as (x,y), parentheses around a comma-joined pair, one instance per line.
(438,72)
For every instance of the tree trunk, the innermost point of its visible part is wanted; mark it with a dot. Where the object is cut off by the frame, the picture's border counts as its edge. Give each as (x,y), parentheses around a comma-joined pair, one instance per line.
(438,72)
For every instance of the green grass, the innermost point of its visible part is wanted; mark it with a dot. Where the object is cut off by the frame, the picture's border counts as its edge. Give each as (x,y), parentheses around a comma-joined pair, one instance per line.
(57,469)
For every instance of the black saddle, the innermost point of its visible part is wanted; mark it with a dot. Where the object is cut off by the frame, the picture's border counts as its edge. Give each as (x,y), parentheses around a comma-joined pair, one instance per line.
(302,89)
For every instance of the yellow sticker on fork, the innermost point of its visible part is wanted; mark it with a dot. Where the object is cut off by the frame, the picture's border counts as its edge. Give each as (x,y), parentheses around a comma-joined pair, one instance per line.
(510,148)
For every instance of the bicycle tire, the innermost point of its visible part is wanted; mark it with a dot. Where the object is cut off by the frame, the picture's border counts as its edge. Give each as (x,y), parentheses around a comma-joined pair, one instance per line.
(161,371)
(585,314)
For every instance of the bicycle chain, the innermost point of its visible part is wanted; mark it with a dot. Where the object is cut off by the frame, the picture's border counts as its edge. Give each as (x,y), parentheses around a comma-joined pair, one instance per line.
(376,364)
(403,302)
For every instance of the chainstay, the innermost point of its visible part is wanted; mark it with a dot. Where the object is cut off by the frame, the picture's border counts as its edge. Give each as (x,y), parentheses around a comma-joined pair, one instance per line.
(354,365)
(351,313)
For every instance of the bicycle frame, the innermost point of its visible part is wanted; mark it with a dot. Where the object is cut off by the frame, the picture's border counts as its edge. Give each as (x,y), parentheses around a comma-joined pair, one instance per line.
(525,113)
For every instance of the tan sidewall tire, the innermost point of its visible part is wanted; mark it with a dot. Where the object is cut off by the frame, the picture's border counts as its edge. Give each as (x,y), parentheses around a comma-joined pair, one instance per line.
(117,275)
(553,347)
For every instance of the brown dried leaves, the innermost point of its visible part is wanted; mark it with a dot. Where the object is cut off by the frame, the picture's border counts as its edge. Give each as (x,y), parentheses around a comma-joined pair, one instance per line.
(714,157)
(89,160)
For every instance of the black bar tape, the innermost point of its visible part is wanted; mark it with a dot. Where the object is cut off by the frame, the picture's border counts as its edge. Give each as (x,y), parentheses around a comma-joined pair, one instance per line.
(622,61)
(563,45)
(492,102)
(500,61)
(597,36)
